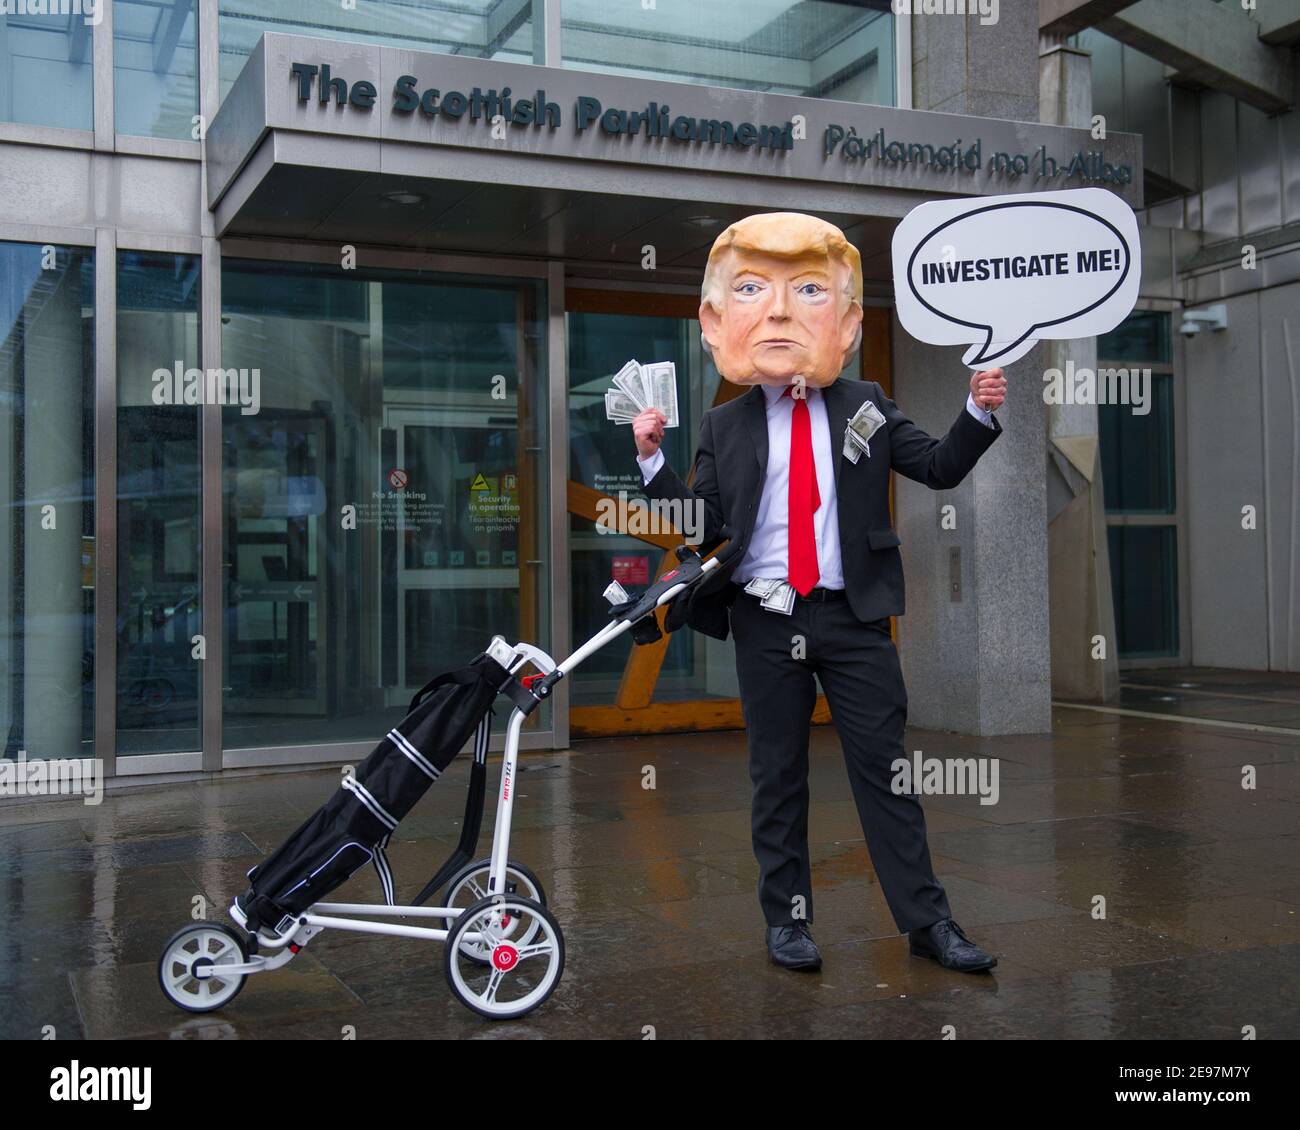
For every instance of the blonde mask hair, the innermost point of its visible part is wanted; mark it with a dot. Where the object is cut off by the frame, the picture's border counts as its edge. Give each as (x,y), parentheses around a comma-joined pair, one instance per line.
(786,235)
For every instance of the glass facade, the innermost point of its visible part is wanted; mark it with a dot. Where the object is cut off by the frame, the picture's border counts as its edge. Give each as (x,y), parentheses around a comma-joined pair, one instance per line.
(384,501)
(385,507)
(1142,336)
(1138,453)
(602,456)
(486,29)
(1144,579)
(47,487)
(40,52)
(837,49)
(1139,484)
(158,477)
(155,68)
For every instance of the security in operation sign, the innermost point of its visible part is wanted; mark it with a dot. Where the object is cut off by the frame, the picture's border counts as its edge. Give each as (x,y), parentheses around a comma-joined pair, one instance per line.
(1000,273)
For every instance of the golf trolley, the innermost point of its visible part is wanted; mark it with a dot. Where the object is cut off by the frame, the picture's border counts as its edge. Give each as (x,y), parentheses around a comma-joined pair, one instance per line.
(504,950)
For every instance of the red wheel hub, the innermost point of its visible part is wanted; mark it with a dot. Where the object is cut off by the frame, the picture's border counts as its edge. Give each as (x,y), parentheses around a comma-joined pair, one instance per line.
(505,957)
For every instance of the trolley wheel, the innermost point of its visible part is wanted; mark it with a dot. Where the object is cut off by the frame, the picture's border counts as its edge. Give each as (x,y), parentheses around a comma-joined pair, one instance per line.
(517,977)
(470,885)
(192,947)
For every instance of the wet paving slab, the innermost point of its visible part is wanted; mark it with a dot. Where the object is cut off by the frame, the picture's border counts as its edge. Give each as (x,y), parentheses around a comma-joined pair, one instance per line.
(1255,698)
(1127,882)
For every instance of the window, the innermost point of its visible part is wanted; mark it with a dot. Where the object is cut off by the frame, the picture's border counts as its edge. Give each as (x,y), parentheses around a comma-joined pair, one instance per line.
(155,67)
(384,495)
(818,48)
(1137,452)
(486,29)
(47,486)
(46,63)
(158,611)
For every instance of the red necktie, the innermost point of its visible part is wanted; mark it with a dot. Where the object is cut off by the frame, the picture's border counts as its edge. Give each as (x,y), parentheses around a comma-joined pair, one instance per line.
(804,499)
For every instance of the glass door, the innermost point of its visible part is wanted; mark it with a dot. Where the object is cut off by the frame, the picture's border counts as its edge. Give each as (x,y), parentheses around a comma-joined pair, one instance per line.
(685,681)
(277,626)
(385,503)
(158,573)
(451,557)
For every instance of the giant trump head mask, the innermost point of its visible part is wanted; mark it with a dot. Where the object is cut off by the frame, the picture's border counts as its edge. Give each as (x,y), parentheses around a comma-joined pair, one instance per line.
(782,300)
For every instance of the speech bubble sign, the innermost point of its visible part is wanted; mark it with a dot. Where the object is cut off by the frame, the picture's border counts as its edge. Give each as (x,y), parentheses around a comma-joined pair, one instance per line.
(1000,273)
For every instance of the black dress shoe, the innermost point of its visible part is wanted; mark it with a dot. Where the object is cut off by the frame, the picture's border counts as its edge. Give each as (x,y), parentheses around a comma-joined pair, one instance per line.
(945,942)
(792,946)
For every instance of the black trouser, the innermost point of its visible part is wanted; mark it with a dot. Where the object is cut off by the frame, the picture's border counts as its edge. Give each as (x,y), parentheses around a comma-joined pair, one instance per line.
(858,667)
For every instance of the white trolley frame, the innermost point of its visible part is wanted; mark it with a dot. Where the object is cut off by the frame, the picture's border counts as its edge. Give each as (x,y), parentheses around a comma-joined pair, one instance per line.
(293,932)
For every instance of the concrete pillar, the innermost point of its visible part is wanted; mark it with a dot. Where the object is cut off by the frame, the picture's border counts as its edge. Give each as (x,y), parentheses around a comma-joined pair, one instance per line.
(976,659)
(1064,83)
(962,66)
(1079,556)
(54,466)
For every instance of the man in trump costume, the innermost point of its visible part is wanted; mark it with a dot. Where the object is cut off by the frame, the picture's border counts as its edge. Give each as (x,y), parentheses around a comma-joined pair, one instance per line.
(798,467)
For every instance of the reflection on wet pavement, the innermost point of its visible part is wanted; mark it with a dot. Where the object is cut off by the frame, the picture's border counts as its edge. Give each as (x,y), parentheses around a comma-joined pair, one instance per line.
(656,893)
(1264,699)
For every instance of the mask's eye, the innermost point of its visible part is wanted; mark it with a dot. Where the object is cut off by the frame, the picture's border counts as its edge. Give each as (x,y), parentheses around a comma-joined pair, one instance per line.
(748,289)
(811,290)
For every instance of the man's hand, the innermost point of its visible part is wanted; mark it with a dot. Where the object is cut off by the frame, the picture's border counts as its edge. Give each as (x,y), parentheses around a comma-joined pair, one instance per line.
(989,388)
(648,428)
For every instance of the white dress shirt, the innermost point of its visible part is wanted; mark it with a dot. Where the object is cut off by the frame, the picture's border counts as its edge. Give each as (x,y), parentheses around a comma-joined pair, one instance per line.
(767,555)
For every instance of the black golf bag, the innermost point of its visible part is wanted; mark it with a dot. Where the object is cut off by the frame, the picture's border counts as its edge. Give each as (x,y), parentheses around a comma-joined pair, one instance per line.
(352,828)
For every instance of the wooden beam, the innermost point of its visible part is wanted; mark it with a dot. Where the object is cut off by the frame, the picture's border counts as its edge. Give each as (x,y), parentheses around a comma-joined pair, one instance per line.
(641,672)
(876,352)
(640,303)
(668,718)
(589,503)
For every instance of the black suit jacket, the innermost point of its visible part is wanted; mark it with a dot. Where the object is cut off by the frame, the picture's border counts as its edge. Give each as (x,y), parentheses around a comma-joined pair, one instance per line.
(730,466)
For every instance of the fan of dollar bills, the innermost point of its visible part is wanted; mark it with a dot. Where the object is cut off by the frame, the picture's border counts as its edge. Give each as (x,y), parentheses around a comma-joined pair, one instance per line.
(638,387)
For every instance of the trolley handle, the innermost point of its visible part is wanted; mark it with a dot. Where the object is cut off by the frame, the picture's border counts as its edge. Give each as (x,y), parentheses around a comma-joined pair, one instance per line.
(689,573)
(672,584)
